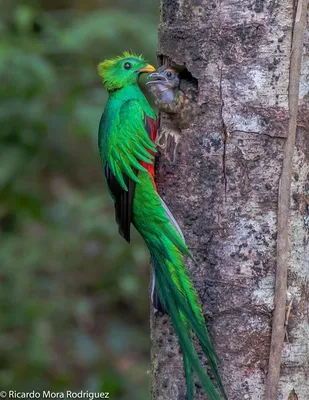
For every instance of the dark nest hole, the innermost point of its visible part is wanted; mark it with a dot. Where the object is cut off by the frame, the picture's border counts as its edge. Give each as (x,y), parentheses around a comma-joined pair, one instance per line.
(184,73)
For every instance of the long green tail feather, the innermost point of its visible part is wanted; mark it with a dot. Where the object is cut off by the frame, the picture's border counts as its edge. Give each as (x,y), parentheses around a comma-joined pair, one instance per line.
(169,292)
(186,361)
(209,351)
(186,294)
(177,293)
(175,288)
(189,377)
(193,301)
(165,289)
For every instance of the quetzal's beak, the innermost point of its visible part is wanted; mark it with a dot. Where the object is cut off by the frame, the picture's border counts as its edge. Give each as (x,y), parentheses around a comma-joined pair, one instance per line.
(149,68)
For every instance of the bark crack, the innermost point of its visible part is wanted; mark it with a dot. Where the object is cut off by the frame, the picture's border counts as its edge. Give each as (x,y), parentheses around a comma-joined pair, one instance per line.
(258,133)
(283,248)
(224,133)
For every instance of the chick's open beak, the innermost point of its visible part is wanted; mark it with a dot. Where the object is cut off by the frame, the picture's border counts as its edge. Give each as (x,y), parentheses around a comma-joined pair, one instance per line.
(148,68)
(154,75)
(158,77)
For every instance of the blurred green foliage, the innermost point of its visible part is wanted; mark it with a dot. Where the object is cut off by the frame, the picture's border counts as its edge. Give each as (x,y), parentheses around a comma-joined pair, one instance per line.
(73,298)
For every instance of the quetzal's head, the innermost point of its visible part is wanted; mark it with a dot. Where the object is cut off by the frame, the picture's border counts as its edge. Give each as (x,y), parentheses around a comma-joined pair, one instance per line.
(123,71)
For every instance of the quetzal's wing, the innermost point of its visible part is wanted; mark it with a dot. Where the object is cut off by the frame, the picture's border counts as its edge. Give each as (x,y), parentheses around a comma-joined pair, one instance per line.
(128,146)
(123,200)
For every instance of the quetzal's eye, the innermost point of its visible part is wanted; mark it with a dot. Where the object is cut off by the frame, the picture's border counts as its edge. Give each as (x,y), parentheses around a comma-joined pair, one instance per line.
(169,74)
(127,65)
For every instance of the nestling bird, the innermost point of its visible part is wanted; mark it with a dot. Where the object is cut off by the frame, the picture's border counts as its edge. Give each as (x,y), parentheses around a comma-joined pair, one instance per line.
(165,86)
(171,100)
(127,135)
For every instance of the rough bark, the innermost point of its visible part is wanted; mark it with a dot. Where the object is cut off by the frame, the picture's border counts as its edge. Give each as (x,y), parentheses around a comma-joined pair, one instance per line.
(222,185)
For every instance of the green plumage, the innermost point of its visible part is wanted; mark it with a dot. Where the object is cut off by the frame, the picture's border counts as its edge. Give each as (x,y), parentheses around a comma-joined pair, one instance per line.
(124,143)
(123,139)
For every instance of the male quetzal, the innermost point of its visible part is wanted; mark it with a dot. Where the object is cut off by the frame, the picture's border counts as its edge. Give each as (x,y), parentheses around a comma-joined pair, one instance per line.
(126,141)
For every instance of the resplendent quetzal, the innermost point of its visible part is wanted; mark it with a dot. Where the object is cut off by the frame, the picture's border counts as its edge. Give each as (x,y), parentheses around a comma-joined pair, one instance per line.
(127,148)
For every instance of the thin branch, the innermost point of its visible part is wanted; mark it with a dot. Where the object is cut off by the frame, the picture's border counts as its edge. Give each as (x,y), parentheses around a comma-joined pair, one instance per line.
(283,247)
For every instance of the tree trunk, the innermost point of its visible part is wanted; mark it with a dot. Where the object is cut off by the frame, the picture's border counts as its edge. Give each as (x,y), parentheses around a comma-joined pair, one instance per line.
(223,188)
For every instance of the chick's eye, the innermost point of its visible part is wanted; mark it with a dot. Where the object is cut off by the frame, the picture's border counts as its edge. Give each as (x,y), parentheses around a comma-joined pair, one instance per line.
(169,74)
(127,65)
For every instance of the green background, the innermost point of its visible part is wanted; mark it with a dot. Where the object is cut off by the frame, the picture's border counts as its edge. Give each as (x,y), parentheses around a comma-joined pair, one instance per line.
(74,309)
